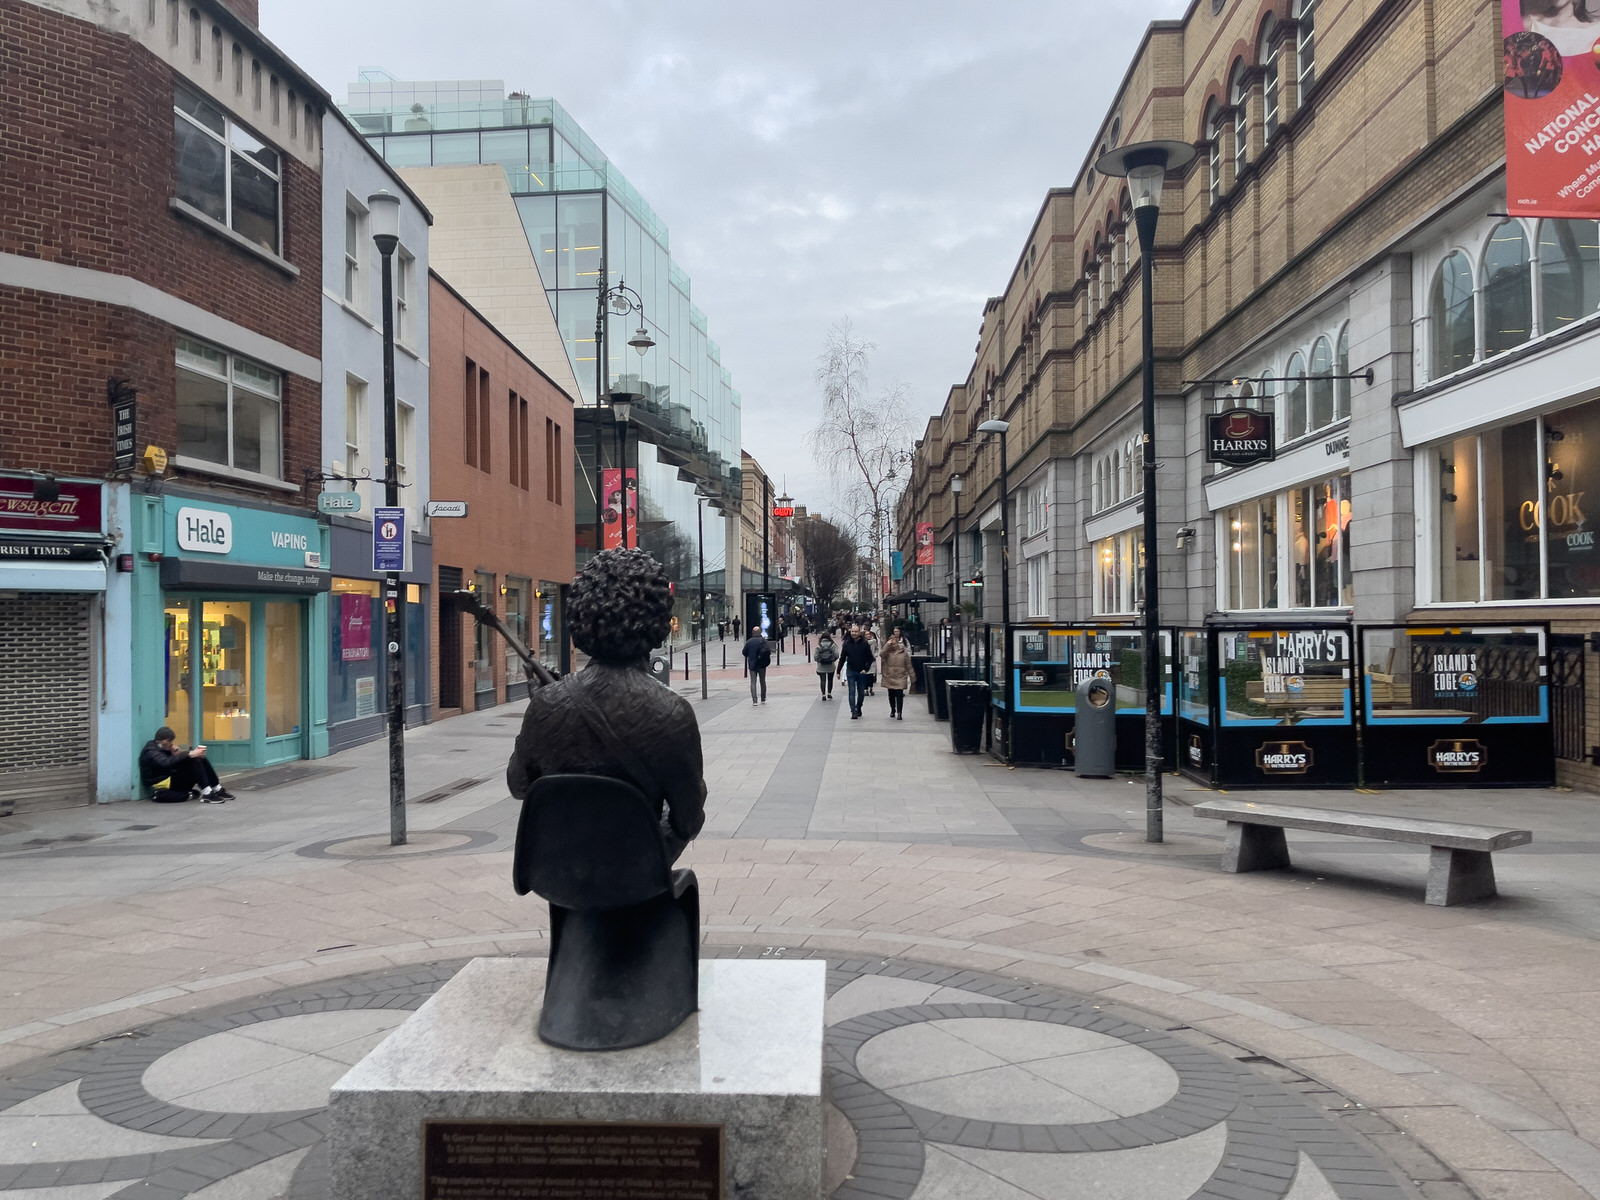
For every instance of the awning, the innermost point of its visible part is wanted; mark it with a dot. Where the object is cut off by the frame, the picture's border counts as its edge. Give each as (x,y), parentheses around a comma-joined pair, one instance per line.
(31,576)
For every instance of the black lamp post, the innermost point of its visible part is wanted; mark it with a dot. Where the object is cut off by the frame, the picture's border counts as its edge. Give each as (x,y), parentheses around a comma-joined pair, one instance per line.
(1001,428)
(384,213)
(622,300)
(955,549)
(1145,164)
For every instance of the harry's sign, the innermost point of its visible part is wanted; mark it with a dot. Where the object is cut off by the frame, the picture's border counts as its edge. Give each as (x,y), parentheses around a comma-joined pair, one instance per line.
(1458,756)
(1240,437)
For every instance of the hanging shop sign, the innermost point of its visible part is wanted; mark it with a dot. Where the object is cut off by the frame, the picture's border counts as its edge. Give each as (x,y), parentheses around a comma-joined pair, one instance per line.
(124,401)
(339,502)
(75,507)
(1552,113)
(1240,437)
(447,508)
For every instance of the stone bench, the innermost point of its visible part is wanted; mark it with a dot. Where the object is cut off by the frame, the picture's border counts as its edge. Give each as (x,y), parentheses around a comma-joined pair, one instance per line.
(1459,868)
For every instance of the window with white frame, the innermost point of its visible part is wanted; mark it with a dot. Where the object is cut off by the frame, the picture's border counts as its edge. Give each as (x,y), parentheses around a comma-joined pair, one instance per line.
(1038,585)
(225,172)
(355,425)
(230,410)
(1307,45)
(1239,95)
(1267,55)
(405,449)
(354,223)
(1507,288)
(1452,320)
(1213,153)
(405,272)
(1119,573)
(1119,473)
(1569,272)
(1307,565)
(1038,509)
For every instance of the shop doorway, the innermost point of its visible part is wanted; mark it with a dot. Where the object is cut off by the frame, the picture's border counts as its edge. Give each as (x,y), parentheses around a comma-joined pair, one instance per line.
(46,701)
(235,677)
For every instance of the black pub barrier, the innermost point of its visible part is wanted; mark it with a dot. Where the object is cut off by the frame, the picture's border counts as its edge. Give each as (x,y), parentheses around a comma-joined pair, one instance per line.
(1456,706)
(1050,660)
(1267,705)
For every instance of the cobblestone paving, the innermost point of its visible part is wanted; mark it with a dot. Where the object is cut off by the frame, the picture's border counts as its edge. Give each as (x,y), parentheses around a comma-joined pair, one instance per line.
(1047,1095)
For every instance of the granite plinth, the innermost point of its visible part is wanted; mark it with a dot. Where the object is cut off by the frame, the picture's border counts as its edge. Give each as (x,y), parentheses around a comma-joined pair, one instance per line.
(750,1060)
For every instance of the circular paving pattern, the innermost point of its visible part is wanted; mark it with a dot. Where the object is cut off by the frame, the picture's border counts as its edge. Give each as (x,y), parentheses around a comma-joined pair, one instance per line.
(953,1083)
(424,842)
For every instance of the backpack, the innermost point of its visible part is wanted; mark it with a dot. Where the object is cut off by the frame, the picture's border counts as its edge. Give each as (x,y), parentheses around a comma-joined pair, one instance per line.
(763,658)
(827,655)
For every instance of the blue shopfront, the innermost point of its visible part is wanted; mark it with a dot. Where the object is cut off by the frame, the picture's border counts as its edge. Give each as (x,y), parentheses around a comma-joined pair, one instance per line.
(231,604)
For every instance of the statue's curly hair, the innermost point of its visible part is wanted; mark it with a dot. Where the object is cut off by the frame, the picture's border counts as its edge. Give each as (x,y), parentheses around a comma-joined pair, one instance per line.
(620,606)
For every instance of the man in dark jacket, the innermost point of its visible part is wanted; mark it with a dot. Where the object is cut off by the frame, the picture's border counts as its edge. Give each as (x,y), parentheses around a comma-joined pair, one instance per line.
(174,774)
(757,657)
(855,664)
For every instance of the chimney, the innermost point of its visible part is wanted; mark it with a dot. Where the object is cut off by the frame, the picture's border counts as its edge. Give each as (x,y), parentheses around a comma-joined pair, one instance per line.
(250,10)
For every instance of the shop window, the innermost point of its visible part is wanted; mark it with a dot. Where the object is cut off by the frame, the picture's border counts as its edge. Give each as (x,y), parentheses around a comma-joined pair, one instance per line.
(518,596)
(229,410)
(1572,470)
(1252,554)
(483,642)
(1341,368)
(1512,512)
(224,171)
(1267,56)
(1507,289)
(1322,408)
(1307,46)
(1119,573)
(224,671)
(283,667)
(1450,316)
(1458,542)
(1319,520)
(1038,586)
(1294,399)
(1569,272)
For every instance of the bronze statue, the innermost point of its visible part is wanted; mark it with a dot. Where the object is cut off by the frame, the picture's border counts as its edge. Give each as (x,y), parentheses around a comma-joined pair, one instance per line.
(609,769)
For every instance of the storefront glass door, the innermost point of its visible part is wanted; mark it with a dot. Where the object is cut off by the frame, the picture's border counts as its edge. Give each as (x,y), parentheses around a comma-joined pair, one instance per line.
(180,682)
(283,688)
(225,708)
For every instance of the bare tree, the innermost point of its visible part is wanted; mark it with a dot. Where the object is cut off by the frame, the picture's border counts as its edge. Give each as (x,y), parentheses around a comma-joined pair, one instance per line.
(830,557)
(862,436)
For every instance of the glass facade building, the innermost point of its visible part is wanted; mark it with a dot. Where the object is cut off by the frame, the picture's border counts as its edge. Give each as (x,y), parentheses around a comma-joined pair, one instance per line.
(584,222)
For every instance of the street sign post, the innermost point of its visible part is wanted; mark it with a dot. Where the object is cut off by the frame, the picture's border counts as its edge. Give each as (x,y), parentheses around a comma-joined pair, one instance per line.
(447,508)
(388,539)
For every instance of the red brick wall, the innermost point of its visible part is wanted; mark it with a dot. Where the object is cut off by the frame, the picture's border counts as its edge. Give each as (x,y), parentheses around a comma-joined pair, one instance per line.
(86,172)
(509,531)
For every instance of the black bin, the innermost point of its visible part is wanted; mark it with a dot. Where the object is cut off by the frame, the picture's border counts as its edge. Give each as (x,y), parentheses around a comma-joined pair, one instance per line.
(969,705)
(918,682)
(938,674)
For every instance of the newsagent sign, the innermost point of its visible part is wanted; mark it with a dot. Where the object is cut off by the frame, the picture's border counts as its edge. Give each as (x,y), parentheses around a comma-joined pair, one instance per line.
(1240,437)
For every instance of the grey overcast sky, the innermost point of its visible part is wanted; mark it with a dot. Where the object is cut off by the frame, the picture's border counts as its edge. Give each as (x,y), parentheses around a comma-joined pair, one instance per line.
(879,159)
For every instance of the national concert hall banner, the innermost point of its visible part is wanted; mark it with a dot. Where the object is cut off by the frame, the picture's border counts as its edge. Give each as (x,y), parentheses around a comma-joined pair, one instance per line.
(1552,107)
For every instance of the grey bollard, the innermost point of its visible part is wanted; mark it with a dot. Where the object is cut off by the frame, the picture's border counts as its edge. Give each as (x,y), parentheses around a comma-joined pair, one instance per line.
(1094,730)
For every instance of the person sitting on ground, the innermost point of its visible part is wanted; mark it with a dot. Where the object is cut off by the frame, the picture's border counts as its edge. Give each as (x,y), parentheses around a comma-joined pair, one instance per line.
(174,775)
(612,718)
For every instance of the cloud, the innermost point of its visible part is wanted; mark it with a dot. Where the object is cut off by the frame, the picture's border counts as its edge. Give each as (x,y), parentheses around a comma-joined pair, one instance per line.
(879,158)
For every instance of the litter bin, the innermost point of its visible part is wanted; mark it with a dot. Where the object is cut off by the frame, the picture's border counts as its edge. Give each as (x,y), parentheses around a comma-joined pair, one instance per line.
(1094,729)
(969,705)
(938,674)
(918,682)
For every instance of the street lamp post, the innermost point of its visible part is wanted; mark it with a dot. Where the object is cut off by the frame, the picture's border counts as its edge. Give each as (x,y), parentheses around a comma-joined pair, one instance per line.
(955,548)
(384,210)
(1145,164)
(622,300)
(701,518)
(1001,428)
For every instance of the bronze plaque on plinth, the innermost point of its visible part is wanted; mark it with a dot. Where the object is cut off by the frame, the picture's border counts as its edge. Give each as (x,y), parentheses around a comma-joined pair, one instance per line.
(570,1160)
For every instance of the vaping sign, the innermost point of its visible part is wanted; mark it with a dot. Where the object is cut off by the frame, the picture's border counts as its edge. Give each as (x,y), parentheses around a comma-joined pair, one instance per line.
(1284,758)
(1458,756)
(1240,437)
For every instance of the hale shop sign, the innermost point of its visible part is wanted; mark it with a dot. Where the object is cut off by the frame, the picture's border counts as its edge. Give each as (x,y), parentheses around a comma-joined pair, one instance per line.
(1240,437)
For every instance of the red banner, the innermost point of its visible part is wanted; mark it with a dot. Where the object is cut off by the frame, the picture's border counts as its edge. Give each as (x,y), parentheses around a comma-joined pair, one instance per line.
(612,494)
(355,627)
(924,543)
(1552,109)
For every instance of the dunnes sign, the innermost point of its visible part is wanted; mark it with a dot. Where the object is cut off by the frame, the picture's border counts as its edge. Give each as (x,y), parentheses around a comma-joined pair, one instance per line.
(1240,437)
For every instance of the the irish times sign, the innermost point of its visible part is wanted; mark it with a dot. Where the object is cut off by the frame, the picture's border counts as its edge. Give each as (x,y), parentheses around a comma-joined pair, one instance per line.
(1240,437)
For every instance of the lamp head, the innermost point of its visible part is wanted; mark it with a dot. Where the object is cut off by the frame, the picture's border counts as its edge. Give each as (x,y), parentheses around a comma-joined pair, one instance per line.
(1144,165)
(955,484)
(383,209)
(641,340)
(622,406)
(994,427)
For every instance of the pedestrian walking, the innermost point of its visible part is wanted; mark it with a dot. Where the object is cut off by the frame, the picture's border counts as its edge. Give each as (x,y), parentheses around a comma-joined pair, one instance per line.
(872,641)
(894,668)
(758,655)
(736,627)
(826,659)
(856,661)
(175,775)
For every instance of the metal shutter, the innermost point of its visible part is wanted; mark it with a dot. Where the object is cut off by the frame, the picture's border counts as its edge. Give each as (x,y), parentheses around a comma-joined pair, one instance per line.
(46,702)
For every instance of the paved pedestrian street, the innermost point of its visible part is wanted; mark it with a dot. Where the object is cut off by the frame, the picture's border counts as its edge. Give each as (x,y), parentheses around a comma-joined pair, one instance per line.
(1026,1000)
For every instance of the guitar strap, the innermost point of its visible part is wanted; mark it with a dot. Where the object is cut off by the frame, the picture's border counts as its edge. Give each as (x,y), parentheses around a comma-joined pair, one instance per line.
(594,716)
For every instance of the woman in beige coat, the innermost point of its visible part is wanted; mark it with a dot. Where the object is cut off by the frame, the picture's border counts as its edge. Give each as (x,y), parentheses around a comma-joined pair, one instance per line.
(894,672)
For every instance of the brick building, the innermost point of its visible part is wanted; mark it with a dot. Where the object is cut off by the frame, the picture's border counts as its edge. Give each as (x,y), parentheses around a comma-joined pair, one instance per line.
(159,180)
(502,441)
(1338,255)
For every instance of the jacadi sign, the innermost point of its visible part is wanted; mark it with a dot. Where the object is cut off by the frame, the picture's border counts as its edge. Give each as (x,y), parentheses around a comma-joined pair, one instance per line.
(200,530)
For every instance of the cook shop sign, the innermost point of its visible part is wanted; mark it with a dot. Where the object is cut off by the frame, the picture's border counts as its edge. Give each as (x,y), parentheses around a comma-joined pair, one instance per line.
(1240,437)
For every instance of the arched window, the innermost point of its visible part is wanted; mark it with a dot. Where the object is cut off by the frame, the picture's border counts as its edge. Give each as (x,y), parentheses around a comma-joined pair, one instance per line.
(1213,152)
(1307,15)
(1294,407)
(1135,461)
(1321,384)
(1341,366)
(1450,315)
(1247,395)
(1507,289)
(1569,272)
(1267,56)
(1239,97)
